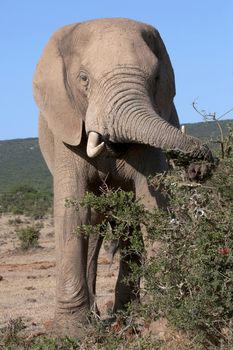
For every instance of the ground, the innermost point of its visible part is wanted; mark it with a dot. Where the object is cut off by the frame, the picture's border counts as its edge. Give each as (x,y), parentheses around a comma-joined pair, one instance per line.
(27,279)
(27,285)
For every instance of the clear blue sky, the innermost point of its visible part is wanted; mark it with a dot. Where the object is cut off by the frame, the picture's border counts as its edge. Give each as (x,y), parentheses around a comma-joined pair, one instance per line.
(198,36)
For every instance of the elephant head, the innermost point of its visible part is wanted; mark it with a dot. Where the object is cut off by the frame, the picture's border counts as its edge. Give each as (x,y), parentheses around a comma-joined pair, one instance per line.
(114,78)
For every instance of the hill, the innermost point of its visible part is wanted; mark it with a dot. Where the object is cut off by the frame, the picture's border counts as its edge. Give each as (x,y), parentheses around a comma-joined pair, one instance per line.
(21,161)
(207,130)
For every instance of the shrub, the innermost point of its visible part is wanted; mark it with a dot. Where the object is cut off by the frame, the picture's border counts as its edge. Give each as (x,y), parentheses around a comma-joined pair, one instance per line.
(193,272)
(16,221)
(118,206)
(28,236)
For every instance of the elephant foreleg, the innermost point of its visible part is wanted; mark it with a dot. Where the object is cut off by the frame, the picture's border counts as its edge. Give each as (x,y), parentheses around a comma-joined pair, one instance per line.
(72,297)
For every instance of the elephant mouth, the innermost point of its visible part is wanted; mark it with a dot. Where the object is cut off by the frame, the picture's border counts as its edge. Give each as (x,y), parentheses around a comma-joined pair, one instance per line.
(96,143)
(116,150)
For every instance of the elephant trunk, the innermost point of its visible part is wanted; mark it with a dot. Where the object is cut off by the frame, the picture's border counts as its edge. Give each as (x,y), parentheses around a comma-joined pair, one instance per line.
(145,126)
(122,111)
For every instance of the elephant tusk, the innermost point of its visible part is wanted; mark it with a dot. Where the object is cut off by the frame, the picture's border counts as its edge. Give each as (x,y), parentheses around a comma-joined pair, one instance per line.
(183,129)
(94,148)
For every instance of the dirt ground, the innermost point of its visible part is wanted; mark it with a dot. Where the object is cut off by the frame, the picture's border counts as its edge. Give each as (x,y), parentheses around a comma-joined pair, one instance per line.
(27,279)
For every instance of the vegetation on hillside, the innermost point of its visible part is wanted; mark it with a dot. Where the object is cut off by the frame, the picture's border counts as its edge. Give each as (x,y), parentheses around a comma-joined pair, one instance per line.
(21,163)
(207,130)
(26,200)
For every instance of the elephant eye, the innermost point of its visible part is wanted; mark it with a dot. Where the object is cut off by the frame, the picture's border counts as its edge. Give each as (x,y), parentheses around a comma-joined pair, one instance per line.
(83,78)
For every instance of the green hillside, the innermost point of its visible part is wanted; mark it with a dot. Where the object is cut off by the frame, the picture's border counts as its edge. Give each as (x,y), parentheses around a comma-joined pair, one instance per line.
(207,130)
(21,162)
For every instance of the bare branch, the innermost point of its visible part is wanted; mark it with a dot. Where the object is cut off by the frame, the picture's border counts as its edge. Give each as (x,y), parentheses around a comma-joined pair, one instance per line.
(212,116)
(223,115)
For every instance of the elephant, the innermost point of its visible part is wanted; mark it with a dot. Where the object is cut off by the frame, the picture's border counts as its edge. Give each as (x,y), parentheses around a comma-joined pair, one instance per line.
(105,91)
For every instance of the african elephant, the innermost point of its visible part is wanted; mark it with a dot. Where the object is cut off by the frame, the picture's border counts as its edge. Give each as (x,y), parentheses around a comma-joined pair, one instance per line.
(105,91)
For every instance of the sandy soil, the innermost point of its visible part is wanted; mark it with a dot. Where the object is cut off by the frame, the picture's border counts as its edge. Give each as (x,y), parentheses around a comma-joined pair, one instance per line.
(27,279)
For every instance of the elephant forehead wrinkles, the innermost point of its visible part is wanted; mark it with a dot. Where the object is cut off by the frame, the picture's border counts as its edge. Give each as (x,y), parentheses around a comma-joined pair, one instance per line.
(106,52)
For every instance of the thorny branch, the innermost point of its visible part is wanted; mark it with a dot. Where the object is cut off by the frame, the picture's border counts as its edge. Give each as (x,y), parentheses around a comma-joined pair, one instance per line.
(213,117)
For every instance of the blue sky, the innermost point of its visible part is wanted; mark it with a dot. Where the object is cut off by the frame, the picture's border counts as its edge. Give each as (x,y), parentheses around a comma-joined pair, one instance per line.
(198,36)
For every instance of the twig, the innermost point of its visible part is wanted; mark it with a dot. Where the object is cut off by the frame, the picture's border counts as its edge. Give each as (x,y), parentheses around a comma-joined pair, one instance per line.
(216,119)
(187,184)
(223,115)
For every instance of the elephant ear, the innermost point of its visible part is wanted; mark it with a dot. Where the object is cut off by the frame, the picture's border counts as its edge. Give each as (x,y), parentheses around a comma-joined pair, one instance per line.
(174,119)
(165,81)
(160,51)
(52,92)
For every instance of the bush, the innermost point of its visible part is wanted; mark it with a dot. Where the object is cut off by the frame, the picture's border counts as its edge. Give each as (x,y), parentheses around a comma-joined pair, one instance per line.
(9,334)
(26,200)
(16,221)
(193,272)
(28,237)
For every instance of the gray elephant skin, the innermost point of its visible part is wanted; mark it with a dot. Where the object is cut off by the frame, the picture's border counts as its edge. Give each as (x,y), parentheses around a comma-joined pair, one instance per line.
(105,92)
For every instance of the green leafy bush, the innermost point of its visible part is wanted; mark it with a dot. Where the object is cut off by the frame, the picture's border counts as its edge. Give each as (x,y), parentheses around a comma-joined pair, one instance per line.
(9,334)
(28,236)
(26,200)
(193,272)
(12,338)
(192,280)
(119,207)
